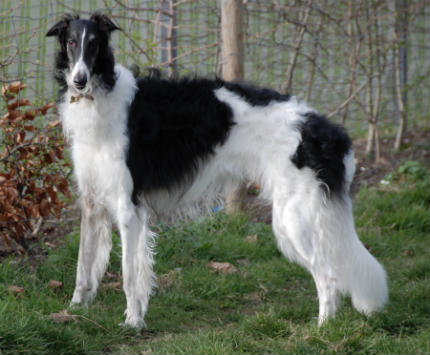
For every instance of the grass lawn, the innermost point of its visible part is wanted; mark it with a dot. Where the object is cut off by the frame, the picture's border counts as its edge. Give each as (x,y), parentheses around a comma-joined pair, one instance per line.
(267,305)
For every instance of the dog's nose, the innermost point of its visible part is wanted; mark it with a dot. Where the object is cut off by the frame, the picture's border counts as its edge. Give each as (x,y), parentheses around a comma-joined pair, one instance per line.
(80,81)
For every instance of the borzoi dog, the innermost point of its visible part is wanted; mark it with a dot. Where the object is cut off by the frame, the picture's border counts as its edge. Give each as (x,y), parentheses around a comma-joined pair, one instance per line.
(149,146)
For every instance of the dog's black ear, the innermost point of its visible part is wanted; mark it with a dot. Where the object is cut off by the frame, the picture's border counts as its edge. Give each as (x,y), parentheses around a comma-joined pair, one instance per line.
(57,28)
(104,23)
(61,26)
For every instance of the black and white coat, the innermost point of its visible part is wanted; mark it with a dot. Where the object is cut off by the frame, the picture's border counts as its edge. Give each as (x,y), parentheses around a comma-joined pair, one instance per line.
(153,147)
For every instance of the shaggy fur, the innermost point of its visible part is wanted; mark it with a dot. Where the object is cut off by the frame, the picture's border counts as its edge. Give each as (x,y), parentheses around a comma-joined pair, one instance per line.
(150,147)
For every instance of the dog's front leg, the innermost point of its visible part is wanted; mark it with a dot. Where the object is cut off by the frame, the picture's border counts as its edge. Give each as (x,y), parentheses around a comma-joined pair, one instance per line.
(137,261)
(94,250)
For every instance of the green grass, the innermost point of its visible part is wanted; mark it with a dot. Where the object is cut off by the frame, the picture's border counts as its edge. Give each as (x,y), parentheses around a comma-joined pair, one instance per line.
(268,306)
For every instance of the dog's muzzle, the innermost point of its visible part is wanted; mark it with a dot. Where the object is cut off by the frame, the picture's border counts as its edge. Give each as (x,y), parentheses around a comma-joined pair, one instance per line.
(80,81)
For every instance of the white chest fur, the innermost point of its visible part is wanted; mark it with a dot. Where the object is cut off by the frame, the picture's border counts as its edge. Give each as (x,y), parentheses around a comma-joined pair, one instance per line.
(97,130)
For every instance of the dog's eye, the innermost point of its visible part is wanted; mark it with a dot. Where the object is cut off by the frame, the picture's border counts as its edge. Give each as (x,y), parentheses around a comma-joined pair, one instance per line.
(71,42)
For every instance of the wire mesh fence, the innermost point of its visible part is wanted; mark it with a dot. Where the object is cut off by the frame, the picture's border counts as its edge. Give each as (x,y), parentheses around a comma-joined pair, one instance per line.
(303,46)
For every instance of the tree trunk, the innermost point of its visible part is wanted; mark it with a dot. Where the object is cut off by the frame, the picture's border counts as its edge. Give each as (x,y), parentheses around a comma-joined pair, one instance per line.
(378,89)
(375,68)
(370,138)
(401,66)
(168,41)
(232,69)
(369,92)
(232,39)
(400,103)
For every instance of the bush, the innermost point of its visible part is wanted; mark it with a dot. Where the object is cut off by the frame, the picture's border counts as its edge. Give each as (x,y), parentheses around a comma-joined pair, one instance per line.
(33,172)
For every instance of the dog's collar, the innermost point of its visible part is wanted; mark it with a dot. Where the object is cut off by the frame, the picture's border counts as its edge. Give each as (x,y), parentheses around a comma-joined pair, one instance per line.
(77,98)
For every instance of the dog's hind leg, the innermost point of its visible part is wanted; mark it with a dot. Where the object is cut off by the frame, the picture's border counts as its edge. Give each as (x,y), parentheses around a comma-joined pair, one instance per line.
(317,231)
(137,261)
(94,250)
(298,240)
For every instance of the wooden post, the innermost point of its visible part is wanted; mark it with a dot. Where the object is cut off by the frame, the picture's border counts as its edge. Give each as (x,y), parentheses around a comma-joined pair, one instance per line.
(232,69)
(232,39)
(168,41)
(401,66)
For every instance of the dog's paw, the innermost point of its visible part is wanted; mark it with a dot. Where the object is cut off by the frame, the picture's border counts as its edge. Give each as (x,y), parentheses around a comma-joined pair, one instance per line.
(134,324)
(133,321)
(78,305)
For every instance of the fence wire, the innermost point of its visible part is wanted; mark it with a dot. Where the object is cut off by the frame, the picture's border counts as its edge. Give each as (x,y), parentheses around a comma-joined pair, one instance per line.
(302,46)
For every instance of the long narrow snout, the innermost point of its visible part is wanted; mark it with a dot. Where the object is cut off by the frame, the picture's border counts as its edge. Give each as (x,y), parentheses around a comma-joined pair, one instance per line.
(80,81)
(80,76)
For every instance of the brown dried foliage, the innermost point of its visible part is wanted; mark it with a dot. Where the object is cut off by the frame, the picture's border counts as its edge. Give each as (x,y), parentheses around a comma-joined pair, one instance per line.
(33,180)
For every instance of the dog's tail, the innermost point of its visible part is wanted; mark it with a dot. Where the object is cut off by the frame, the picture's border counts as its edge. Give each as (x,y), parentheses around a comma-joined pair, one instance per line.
(358,272)
(365,280)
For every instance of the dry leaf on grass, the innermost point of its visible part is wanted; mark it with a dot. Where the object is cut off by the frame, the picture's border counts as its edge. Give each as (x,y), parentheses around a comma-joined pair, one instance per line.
(223,267)
(116,285)
(263,288)
(54,124)
(252,238)
(15,289)
(243,262)
(63,316)
(257,296)
(54,284)
(167,280)
(408,252)
(111,275)
(50,245)
(254,297)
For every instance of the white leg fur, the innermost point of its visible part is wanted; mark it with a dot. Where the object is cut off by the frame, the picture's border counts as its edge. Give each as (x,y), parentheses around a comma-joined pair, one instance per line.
(94,249)
(137,261)
(296,230)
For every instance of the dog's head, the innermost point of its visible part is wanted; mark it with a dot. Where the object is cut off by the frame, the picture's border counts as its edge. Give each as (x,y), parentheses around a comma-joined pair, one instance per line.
(84,50)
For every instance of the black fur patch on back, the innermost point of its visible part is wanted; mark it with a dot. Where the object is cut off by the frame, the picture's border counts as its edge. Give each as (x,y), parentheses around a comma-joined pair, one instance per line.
(322,148)
(254,95)
(173,125)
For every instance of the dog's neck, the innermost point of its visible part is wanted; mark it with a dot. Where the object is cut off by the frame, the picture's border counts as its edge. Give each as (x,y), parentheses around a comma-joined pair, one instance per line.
(101,114)
(77,98)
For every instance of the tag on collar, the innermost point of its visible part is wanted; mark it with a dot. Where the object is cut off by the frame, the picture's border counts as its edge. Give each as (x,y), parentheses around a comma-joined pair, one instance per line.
(74,99)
